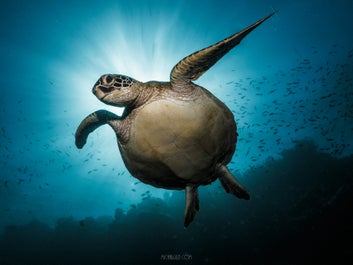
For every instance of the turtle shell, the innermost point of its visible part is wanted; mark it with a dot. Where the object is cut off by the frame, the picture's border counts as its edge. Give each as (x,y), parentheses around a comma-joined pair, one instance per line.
(175,141)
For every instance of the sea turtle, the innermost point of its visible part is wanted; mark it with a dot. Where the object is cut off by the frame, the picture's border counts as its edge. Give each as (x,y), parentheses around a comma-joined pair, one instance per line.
(173,135)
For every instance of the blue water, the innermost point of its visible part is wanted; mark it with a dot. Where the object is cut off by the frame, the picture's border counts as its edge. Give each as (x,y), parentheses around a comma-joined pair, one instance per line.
(289,84)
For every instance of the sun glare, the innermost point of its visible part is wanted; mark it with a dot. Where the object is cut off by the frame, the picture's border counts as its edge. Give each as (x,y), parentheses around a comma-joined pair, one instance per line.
(120,47)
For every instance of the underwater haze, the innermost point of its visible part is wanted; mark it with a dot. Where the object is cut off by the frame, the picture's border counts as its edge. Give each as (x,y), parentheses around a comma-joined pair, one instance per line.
(289,84)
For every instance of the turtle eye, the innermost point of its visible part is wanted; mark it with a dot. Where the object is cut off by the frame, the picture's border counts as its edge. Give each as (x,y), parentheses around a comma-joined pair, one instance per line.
(108,79)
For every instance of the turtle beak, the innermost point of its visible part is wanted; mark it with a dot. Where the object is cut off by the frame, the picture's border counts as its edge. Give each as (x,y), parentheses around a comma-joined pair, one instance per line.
(101,91)
(97,92)
(94,90)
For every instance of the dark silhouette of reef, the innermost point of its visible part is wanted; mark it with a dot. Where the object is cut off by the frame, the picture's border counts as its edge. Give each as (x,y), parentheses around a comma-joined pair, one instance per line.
(301,212)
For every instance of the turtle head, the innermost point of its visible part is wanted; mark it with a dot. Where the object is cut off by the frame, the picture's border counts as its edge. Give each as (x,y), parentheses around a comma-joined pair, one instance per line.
(116,90)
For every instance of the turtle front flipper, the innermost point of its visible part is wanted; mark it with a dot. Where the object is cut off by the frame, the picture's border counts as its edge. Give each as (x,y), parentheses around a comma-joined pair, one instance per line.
(92,122)
(192,205)
(193,66)
(230,184)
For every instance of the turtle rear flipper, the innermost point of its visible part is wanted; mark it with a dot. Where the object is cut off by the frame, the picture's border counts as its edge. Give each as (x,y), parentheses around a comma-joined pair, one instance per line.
(92,122)
(230,184)
(193,66)
(192,205)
